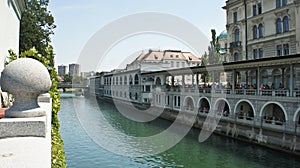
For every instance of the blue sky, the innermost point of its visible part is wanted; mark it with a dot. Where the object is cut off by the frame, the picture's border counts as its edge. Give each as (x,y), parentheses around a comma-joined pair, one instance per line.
(78,20)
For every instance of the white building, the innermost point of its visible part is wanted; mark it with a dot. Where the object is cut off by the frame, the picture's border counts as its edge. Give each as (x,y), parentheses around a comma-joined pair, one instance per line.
(10,14)
(163,60)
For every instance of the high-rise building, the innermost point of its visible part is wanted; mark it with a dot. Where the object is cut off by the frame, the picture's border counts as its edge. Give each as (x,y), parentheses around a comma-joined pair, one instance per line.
(62,70)
(74,69)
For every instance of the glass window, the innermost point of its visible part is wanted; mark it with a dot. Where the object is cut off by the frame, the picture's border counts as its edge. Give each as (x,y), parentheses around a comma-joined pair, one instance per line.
(177,64)
(260,31)
(236,57)
(254,32)
(279,50)
(278,26)
(254,10)
(255,53)
(286,50)
(278,3)
(261,53)
(284,2)
(237,35)
(235,17)
(172,64)
(259,8)
(286,24)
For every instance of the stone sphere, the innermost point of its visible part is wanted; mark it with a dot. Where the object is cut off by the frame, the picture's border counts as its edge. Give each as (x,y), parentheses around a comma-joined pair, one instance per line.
(25,75)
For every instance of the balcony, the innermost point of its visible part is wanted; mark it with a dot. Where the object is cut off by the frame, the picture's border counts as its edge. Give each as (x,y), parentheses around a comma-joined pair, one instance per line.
(235,44)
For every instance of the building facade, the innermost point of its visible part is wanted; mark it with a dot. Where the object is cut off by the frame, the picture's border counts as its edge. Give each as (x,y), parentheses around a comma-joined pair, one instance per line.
(62,70)
(74,70)
(262,28)
(10,14)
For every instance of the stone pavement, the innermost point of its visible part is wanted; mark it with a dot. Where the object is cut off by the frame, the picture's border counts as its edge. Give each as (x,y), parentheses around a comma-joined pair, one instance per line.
(28,152)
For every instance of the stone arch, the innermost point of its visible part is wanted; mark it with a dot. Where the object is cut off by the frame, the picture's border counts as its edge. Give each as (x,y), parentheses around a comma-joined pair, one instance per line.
(296,116)
(244,108)
(222,105)
(275,112)
(189,103)
(203,105)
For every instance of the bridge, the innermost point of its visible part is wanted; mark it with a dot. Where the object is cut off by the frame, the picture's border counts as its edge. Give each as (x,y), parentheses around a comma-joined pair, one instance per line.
(68,85)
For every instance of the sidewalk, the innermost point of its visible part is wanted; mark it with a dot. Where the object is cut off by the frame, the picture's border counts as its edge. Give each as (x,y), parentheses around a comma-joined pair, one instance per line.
(27,152)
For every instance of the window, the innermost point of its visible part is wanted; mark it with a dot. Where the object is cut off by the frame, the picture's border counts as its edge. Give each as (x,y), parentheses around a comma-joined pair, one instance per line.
(259,8)
(183,64)
(236,56)
(172,64)
(279,50)
(286,50)
(237,35)
(147,88)
(177,56)
(235,17)
(278,3)
(286,24)
(278,26)
(136,79)
(255,53)
(260,53)
(284,2)
(260,31)
(254,32)
(177,64)
(254,10)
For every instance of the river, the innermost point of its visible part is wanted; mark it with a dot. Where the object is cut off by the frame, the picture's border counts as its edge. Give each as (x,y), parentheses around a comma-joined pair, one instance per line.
(217,151)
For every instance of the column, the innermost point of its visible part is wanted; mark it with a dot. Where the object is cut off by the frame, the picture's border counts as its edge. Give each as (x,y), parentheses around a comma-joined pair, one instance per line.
(193,80)
(197,80)
(233,82)
(172,80)
(291,87)
(257,80)
(183,80)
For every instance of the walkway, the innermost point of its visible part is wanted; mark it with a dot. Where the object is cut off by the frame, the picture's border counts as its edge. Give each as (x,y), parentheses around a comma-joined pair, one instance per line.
(28,152)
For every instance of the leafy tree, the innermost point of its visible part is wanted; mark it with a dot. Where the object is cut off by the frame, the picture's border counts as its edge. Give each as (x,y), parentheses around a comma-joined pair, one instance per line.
(214,49)
(36,27)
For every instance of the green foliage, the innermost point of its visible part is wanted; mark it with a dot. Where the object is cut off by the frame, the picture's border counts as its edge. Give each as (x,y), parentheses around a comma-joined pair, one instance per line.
(214,50)
(37,24)
(57,153)
(12,56)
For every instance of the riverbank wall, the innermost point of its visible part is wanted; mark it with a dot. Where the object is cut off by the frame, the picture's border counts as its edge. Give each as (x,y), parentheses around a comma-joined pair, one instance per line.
(246,131)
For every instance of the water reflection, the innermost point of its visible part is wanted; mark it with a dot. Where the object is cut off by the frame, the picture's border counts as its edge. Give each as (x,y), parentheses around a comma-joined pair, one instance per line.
(217,151)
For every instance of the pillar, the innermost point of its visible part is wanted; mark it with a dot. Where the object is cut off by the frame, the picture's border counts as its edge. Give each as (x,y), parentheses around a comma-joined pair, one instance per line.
(291,87)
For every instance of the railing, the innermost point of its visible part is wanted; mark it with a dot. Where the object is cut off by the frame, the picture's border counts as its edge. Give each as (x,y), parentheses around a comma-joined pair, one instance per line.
(235,44)
(253,92)
(278,93)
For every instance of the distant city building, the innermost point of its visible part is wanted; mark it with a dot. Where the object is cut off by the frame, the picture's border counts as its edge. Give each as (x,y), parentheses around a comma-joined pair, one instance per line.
(62,70)
(74,69)
(87,74)
(223,45)
(163,60)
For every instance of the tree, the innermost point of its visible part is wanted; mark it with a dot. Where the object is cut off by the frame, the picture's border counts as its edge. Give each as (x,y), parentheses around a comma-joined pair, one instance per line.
(214,49)
(36,27)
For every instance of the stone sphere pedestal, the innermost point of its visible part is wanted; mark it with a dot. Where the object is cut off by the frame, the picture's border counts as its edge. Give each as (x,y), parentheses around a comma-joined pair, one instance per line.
(25,79)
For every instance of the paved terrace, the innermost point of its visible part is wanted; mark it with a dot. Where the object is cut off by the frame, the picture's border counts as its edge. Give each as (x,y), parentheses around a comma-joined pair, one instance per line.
(31,152)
